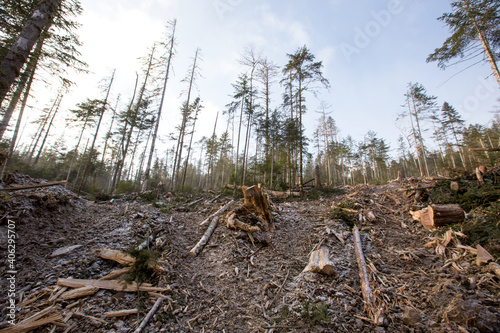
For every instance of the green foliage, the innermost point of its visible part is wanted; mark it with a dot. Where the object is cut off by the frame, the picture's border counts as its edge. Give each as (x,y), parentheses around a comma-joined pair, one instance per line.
(149,196)
(481,201)
(125,187)
(142,270)
(316,313)
(342,212)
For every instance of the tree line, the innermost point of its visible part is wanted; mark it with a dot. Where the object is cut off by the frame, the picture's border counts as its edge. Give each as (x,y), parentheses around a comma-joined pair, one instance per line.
(263,136)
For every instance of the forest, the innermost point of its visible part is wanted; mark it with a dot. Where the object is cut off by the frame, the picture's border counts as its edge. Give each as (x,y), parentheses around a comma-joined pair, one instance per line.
(325,233)
(114,149)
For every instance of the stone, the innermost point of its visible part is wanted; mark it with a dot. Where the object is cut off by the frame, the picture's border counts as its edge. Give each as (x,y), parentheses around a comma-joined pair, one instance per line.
(411,317)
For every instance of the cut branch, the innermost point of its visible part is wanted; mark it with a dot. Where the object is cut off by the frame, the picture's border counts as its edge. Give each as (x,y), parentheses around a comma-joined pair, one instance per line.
(220,211)
(204,240)
(376,312)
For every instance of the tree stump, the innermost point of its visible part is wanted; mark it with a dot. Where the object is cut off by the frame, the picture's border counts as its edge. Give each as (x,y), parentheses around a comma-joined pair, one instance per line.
(256,203)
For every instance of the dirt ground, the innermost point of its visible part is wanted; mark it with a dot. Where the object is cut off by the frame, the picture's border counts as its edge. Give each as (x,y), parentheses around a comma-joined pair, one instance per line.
(234,285)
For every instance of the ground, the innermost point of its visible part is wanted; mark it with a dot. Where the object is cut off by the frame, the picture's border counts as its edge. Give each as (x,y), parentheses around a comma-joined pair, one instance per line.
(235,285)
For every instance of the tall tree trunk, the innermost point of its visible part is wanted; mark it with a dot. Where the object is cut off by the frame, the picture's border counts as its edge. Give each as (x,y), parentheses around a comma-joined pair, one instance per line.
(484,42)
(157,125)
(76,150)
(182,131)
(16,57)
(13,140)
(47,132)
(189,148)
(122,152)
(415,138)
(96,133)
(238,146)
(41,128)
(28,74)
(420,138)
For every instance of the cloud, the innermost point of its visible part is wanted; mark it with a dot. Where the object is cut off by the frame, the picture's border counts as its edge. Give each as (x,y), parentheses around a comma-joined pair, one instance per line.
(295,30)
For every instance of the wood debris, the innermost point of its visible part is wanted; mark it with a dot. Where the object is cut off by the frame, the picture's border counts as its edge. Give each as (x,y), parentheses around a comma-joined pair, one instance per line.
(439,215)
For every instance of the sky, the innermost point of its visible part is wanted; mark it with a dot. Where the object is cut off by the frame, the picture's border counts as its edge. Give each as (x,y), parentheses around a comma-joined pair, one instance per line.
(370,50)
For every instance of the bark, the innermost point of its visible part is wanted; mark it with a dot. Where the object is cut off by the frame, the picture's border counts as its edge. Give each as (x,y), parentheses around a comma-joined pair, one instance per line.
(20,50)
(375,311)
(13,140)
(439,215)
(255,202)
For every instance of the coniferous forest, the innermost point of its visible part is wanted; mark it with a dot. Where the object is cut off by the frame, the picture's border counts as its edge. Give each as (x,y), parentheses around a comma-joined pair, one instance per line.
(122,213)
(113,143)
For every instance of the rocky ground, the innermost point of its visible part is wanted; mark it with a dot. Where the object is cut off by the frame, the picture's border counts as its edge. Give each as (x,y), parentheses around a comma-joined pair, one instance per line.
(421,279)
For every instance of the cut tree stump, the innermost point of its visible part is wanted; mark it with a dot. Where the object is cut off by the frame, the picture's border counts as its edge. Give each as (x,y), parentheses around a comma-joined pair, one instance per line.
(256,203)
(319,262)
(439,215)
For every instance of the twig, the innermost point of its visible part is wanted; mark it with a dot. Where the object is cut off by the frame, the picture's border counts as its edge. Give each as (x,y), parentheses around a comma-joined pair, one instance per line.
(149,315)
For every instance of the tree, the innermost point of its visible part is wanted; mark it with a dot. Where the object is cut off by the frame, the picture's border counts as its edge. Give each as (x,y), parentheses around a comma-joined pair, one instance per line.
(14,60)
(160,108)
(85,112)
(186,113)
(302,69)
(452,122)
(101,113)
(475,28)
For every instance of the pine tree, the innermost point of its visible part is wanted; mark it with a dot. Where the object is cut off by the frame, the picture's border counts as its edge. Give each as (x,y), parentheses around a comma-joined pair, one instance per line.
(475,28)
(302,69)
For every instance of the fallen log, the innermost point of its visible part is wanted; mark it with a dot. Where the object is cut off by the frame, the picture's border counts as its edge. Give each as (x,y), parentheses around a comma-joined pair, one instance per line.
(206,237)
(109,285)
(375,312)
(25,187)
(220,211)
(439,215)
(149,315)
(319,262)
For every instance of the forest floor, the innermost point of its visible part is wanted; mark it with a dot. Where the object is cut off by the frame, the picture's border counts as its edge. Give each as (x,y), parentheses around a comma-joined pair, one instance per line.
(234,285)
